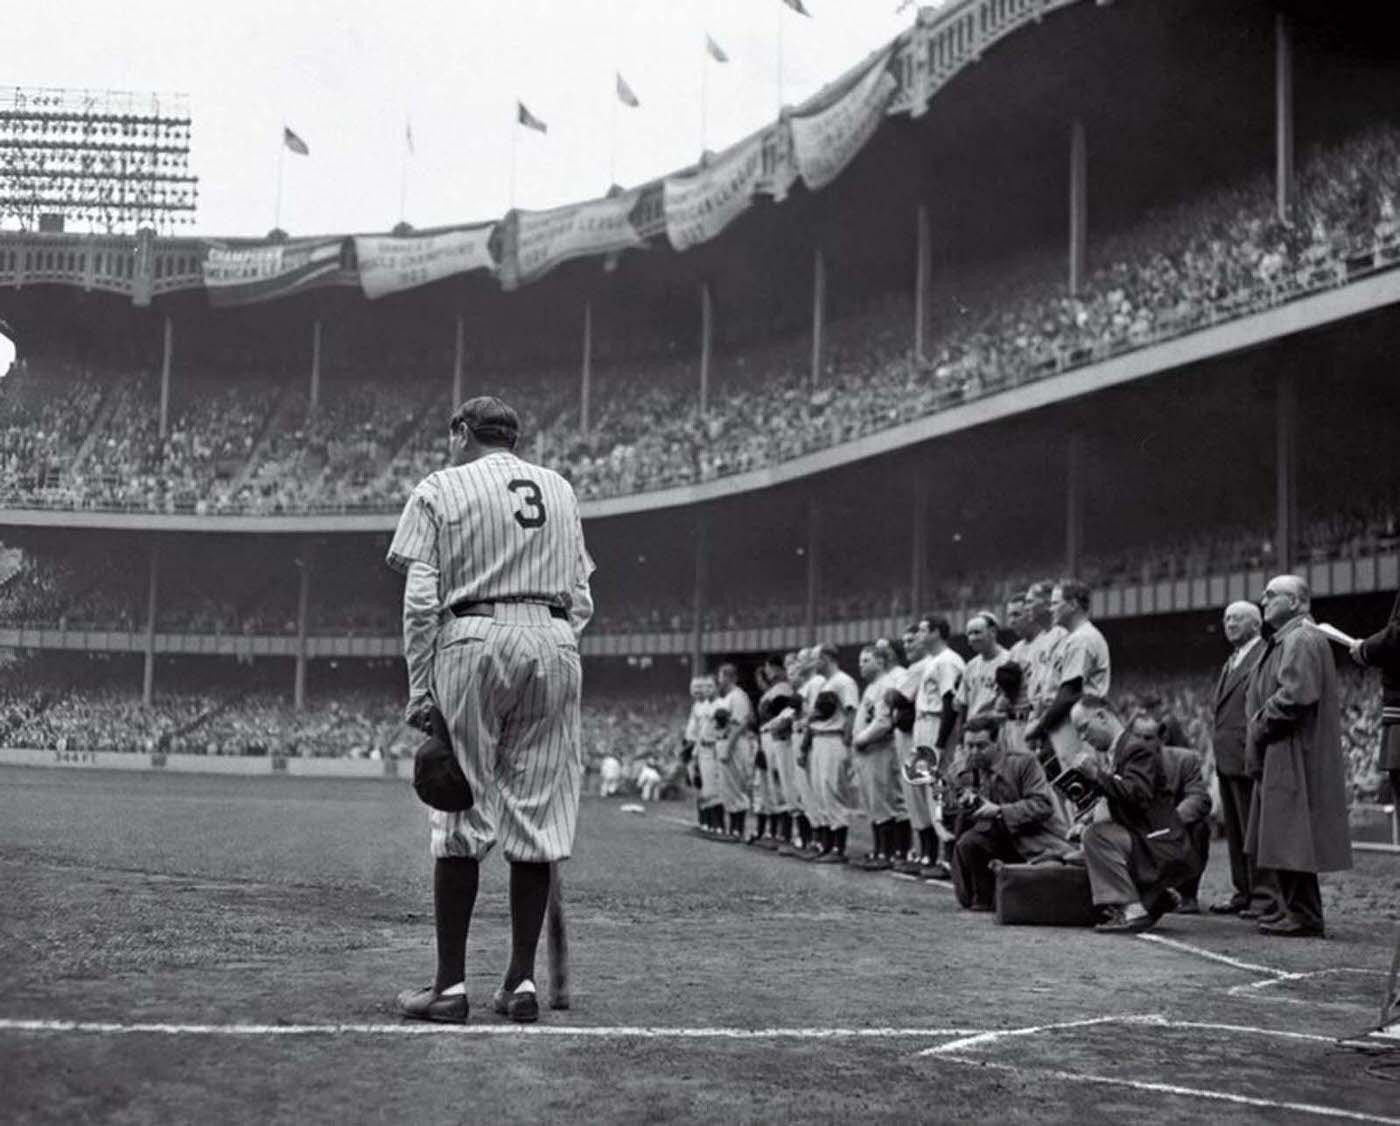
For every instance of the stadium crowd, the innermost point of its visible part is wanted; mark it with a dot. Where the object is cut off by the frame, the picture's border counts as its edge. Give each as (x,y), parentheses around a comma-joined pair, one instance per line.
(75,436)
(1021,755)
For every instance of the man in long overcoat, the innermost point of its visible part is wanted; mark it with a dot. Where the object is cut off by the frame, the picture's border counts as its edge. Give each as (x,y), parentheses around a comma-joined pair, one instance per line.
(1298,816)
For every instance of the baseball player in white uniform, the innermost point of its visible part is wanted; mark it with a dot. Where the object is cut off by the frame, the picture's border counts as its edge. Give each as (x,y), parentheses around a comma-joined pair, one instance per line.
(877,769)
(935,718)
(734,748)
(1013,731)
(830,757)
(775,743)
(1043,636)
(978,693)
(918,800)
(1080,667)
(495,595)
(706,757)
(809,684)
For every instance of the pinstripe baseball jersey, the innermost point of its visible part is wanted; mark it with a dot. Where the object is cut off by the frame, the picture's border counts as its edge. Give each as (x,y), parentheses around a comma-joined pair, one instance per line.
(498,528)
(1040,652)
(977,694)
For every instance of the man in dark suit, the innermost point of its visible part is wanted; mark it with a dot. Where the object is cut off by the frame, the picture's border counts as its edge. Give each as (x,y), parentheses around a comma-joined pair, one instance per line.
(1293,748)
(1135,848)
(1256,892)
(1182,767)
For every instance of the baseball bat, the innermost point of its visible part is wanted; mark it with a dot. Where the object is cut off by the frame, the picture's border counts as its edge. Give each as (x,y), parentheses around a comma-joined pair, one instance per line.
(557,941)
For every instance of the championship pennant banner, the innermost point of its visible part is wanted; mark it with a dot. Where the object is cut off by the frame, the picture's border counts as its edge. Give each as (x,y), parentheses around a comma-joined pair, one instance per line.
(390,264)
(246,274)
(699,207)
(824,142)
(537,241)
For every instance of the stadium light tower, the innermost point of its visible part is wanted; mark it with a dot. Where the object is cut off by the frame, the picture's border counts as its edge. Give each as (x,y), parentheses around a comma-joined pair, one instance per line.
(110,161)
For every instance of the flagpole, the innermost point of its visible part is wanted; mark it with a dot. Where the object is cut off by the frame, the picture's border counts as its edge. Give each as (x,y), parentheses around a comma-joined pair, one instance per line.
(612,142)
(514,129)
(281,155)
(403,184)
(704,94)
(780,58)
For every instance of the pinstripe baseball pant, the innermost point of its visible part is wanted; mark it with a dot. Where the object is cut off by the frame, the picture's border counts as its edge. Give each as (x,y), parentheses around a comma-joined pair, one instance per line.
(918,800)
(509,687)
(877,775)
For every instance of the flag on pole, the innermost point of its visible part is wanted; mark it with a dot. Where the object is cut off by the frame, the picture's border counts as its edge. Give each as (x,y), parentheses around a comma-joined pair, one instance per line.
(528,119)
(295,143)
(624,93)
(796,6)
(408,136)
(715,50)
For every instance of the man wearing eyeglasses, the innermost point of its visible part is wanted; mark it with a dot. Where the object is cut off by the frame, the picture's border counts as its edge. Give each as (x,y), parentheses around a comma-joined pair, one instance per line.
(1293,748)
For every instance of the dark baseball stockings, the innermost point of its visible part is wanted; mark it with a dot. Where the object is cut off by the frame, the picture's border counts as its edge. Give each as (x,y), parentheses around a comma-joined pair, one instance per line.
(455,881)
(529,896)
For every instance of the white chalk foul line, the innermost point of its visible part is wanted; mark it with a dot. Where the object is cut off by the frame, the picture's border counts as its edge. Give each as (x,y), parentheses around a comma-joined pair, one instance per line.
(413,1028)
(1185,1092)
(1223,959)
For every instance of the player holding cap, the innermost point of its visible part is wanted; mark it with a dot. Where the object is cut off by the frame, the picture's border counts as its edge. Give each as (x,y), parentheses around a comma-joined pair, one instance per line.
(495,596)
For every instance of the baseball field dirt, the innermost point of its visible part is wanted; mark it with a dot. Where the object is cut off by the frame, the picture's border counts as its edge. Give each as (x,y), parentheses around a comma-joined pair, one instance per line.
(204,949)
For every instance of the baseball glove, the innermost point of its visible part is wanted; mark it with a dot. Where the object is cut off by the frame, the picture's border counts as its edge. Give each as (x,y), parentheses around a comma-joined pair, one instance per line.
(721,718)
(782,728)
(901,710)
(825,705)
(1010,678)
(437,776)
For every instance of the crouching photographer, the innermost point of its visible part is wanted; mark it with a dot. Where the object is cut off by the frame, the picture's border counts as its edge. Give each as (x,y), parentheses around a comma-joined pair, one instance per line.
(1135,847)
(1007,813)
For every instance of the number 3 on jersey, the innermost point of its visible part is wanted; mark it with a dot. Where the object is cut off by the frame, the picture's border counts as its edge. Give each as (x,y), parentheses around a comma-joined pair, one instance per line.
(529,508)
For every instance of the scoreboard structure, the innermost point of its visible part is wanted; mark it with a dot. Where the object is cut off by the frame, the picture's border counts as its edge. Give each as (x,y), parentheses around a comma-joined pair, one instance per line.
(106,161)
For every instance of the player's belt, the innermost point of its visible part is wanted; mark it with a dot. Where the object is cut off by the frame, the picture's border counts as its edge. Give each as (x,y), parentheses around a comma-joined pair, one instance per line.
(468,609)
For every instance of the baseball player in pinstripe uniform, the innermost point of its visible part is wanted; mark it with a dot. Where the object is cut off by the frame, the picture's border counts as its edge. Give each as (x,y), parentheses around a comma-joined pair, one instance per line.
(877,768)
(809,684)
(830,762)
(1080,667)
(1013,731)
(496,593)
(769,775)
(1043,636)
(707,762)
(734,749)
(782,729)
(935,717)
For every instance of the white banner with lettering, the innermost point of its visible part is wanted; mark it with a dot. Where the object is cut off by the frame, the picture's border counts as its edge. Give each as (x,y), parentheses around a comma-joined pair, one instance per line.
(826,141)
(700,206)
(390,264)
(545,239)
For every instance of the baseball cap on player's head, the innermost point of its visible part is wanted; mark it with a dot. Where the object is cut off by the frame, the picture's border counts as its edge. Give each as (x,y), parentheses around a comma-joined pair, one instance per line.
(828,650)
(489,419)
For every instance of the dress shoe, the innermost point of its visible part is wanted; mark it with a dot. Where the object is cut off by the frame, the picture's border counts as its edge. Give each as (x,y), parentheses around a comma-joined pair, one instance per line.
(521,1007)
(878,864)
(1269,918)
(1230,907)
(429,1004)
(1189,905)
(1291,928)
(832,857)
(935,871)
(1118,921)
(980,907)
(907,867)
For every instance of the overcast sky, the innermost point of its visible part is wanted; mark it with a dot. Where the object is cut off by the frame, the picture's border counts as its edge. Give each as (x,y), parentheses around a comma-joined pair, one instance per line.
(347,74)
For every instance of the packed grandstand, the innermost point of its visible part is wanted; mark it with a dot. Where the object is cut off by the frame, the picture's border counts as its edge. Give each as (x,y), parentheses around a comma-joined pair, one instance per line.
(248,435)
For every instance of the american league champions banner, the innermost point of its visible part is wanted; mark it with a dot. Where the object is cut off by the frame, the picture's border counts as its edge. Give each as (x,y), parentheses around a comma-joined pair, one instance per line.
(826,141)
(242,275)
(700,206)
(537,241)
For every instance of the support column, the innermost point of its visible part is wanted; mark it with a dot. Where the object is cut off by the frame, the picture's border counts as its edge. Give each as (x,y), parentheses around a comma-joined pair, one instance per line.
(699,593)
(148,671)
(918,563)
(315,363)
(1074,501)
(814,577)
(586,389)
(921,280)
(1286,473)
(707,327)
(167,351)
(1078,206)
(818,313)
(457,358)
(307,561)
(1283,116)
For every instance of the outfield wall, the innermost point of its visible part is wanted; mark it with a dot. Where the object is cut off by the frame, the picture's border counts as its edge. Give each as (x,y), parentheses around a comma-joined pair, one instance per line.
(248,765)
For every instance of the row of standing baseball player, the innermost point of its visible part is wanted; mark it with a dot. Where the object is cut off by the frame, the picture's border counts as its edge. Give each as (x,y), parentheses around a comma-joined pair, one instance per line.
(951,761)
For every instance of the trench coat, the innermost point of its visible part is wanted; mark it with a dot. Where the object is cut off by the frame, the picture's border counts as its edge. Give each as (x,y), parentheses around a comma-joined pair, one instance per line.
(1293,748)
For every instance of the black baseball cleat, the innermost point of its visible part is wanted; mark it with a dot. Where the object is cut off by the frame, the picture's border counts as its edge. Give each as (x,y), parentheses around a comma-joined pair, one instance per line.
(429,1004)
(523,1008)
